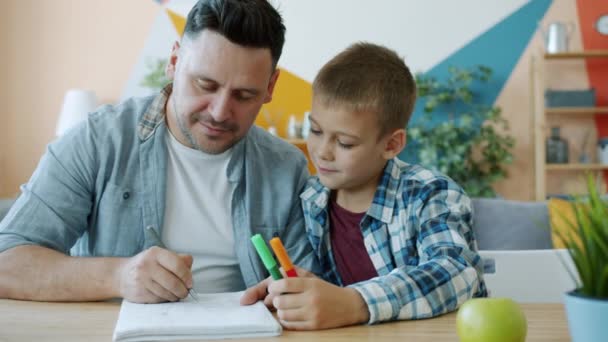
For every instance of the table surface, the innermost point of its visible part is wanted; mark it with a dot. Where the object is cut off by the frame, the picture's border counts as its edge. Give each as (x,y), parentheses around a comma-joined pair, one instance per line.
(90,322)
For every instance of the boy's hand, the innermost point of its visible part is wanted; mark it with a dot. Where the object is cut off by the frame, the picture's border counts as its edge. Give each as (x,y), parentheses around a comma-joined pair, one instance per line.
(311,304)
(260,291)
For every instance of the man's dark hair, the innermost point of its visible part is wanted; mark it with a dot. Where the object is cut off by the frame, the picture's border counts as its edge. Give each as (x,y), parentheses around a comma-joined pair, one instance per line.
(251,23)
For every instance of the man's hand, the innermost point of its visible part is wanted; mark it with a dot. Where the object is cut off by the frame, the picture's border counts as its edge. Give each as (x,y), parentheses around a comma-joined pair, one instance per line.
(155,275)
(311,304)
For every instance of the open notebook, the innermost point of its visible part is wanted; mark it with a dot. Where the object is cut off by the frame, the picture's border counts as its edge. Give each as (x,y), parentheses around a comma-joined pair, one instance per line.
(214,316)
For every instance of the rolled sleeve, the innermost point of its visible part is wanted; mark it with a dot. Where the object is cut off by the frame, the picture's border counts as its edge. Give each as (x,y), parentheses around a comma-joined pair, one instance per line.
(54,205)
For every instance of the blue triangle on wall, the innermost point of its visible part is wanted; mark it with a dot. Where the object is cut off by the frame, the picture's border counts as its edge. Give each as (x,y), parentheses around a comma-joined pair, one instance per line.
(498,48)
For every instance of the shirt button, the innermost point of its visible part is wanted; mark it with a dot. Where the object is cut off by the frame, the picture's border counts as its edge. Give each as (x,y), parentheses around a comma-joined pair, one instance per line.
(126,195)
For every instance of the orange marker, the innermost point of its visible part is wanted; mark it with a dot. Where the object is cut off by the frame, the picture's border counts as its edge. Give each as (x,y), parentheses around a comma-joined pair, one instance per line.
(281,253)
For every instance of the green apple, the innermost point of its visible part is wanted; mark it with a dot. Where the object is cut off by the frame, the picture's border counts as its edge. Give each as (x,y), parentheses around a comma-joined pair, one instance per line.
(491,319)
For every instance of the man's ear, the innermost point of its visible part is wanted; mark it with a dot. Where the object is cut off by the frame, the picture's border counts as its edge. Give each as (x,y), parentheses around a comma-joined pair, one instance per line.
(271,84)
(394,144)
(170,67)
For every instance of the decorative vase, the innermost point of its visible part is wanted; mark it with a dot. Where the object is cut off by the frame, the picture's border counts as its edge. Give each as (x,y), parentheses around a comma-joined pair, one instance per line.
(557,148)
(586,317)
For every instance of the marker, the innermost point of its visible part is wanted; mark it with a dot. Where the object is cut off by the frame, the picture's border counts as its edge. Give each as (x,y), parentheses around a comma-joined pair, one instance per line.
(281,253)
(266,256)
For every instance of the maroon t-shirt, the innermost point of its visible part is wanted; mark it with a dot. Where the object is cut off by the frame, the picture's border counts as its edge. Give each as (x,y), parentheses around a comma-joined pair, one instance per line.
(352,261)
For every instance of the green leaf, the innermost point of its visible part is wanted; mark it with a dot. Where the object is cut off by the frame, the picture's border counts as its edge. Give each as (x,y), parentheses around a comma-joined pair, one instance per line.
(475,157)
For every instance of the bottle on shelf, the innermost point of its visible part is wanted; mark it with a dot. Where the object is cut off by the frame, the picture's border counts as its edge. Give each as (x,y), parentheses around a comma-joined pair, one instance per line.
(557,148)
(602,150)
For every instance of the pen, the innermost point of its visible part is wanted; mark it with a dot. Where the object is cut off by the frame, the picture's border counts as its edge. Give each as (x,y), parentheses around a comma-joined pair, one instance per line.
(162,245)
(281,253)
(266,256)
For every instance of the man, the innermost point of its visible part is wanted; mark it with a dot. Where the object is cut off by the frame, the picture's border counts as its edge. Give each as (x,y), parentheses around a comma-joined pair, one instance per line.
(185,170)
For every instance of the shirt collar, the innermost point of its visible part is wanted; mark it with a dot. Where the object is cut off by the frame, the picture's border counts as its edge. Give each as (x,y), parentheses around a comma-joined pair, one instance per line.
(382,205)
(155,114)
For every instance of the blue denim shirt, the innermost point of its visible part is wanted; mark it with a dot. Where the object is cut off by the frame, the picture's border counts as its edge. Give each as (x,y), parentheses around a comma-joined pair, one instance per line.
(99,189)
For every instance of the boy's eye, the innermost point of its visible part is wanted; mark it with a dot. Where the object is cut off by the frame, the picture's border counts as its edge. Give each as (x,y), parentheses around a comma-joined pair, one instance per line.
(345,146)
(243,96)
(315,131)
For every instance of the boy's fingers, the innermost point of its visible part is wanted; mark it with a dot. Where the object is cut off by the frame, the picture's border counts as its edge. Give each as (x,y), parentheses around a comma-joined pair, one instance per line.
(287,285)
(304,272)
(255,293)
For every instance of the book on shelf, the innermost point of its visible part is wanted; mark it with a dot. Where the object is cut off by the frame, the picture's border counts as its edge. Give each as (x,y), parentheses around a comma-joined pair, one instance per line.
(213,316)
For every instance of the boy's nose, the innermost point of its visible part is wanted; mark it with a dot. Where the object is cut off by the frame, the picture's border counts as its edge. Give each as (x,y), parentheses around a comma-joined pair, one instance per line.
(325,151)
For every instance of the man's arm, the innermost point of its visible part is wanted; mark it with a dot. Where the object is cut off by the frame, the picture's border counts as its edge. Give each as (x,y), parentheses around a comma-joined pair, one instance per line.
(42,274)
(38,273)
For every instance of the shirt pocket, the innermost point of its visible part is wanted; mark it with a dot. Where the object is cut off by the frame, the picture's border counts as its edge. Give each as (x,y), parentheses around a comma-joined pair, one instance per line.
(119,229)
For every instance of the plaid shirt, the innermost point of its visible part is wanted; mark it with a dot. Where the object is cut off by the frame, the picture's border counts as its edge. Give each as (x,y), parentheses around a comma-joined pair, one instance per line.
(418,233)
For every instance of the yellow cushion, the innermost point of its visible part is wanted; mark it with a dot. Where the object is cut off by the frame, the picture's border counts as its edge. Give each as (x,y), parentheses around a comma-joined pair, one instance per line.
(562,218)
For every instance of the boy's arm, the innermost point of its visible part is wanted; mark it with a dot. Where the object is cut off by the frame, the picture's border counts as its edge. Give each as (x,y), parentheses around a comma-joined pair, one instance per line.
(449,270)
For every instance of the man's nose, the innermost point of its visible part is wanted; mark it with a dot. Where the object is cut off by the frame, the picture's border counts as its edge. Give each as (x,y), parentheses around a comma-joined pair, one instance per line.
(220,107)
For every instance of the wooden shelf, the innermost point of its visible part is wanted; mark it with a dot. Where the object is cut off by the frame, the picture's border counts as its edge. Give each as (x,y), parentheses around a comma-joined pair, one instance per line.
(576,167)
(576,110)
(578,54)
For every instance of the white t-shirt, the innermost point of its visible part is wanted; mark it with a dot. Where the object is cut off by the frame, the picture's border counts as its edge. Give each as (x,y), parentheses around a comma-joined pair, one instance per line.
(198,216)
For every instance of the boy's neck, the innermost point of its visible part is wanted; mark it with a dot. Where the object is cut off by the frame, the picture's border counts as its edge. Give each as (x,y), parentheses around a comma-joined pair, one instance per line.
(357,200)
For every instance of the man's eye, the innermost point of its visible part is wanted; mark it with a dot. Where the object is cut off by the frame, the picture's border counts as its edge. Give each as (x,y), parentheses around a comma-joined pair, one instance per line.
(206,86)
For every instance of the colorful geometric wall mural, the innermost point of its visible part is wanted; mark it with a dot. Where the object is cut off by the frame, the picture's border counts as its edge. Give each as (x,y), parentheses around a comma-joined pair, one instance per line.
(463,33)
(459,40)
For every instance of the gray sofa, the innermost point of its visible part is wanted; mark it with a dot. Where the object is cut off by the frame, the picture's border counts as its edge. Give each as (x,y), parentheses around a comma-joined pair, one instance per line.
(511,225)
(498,224)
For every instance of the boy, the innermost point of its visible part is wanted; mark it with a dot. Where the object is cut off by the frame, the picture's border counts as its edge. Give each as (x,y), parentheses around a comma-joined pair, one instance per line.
(395,240)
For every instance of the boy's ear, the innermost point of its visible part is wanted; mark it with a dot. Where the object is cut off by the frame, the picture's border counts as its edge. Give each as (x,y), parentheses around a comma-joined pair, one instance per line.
(395,142)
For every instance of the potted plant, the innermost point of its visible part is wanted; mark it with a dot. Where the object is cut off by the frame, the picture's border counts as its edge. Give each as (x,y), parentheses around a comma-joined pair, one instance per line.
(155,79)
(459,136)
(587,243)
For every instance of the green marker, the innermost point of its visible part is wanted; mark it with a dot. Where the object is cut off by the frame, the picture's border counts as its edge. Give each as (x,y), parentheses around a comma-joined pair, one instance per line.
(266,256)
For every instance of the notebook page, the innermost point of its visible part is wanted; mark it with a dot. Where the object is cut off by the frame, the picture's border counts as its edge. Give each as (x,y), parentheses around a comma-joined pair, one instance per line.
(217,315)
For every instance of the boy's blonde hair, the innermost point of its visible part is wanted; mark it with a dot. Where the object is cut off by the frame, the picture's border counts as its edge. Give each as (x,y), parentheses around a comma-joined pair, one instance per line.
(368,77)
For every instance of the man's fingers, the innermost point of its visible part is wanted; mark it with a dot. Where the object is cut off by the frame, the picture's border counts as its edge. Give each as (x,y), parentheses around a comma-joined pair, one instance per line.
(187,259)
(176,265)
(255,293)
(170,282)
(160,292)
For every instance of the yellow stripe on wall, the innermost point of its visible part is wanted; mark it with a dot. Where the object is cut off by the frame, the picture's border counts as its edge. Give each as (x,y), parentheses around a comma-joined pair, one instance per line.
(179,21)
(292,96)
